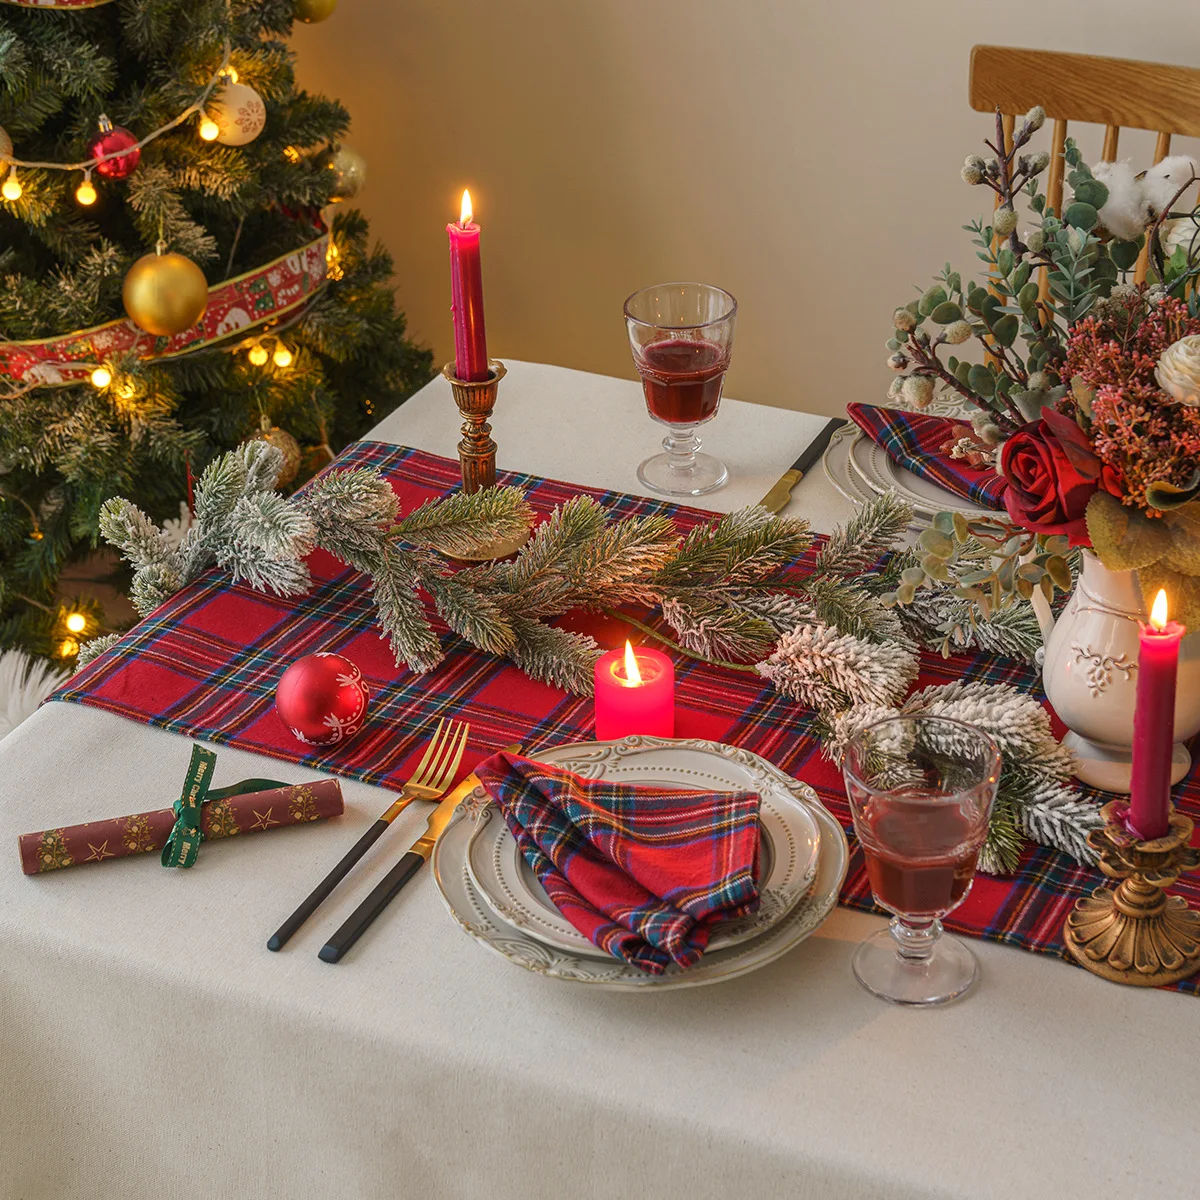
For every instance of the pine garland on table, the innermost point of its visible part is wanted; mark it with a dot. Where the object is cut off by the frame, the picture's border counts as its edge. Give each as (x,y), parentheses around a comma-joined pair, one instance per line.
(728,591)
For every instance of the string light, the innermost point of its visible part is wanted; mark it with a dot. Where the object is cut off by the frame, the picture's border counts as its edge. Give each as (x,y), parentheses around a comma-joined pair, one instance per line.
(230,74)
(12,189)
(333,268)
(68,648)
(208,128)
(258,354)
(85,193)
(101,377)
(76,622)
(291,153)
(282,356)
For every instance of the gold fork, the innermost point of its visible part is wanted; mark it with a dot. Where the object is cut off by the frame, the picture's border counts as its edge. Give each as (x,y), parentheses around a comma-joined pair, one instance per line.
(432,777)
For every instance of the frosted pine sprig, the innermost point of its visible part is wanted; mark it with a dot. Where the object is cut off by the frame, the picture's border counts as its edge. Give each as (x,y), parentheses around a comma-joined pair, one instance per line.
(832,671)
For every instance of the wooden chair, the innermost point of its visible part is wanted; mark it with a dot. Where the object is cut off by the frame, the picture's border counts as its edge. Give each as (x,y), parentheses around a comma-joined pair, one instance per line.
(1114,92)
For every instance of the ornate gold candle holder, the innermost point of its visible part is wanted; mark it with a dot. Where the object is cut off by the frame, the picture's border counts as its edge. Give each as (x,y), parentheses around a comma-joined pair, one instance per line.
(477,451)
(1136,933)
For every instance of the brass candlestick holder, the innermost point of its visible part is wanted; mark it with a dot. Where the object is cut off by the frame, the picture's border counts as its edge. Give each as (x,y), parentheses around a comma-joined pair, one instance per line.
(1136,933)
(477,451)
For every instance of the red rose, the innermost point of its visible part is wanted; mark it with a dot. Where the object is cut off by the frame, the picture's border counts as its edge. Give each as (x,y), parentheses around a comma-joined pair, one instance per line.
(1052,473)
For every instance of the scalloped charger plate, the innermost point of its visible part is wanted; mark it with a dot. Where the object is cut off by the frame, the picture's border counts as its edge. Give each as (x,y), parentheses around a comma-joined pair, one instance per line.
(475,917)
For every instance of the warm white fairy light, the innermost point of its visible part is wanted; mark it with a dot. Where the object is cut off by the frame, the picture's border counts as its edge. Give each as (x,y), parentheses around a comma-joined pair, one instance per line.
(85,193)
(12,189)
(101,377)
(208,129)
(76,622)
(282,356)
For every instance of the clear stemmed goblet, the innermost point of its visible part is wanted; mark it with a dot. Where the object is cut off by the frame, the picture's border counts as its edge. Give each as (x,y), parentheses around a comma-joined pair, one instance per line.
(921,791)
(681,335)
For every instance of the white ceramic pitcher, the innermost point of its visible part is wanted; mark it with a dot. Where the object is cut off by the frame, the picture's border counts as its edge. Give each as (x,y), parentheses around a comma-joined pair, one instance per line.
(1090,675)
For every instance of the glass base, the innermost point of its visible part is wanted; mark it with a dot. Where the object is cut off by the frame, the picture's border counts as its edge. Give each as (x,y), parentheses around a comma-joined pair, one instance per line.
(663,473)
(945,973)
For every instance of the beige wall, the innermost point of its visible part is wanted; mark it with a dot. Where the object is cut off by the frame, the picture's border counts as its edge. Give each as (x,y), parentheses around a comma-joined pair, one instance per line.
(802,154)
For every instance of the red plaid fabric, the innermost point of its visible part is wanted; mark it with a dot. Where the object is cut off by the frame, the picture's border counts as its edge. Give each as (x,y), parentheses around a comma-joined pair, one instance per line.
(206,663)
(914,440)
(643,872)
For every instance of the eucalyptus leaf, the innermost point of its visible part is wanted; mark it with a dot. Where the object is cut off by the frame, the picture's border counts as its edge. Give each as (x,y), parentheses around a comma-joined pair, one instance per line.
(1027,296)
(944,522)
(936,542)
(1093,192)
(1081,216)
(1124,254)
(945,313)
(962,530)
(980,379)
(931,299)
(1004,262)
(1005,330)
(1060,572)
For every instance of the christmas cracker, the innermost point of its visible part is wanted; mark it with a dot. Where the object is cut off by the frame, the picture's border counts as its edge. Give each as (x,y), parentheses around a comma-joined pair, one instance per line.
(222,816)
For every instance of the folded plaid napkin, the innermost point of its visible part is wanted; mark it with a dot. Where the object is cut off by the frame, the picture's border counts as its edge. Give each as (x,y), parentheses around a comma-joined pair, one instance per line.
(915,440)
(643,872)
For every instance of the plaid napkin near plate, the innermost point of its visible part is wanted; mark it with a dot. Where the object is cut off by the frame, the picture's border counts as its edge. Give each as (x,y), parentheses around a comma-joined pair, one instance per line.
(914,440)
(643,872)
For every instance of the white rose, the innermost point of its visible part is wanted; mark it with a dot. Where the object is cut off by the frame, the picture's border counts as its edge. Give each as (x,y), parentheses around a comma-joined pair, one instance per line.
(1178,370)
(1183,231)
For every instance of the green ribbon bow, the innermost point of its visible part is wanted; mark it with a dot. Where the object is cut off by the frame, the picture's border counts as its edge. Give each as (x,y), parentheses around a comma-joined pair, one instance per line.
(183,845)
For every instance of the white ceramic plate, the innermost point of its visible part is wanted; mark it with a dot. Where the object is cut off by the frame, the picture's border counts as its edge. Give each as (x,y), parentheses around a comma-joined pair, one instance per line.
(476,919)
(788,863)
(880,473)
(835,462)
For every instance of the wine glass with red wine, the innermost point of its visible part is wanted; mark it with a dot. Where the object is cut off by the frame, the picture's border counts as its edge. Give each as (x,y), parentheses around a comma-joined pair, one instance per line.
(921,791)
(681,335)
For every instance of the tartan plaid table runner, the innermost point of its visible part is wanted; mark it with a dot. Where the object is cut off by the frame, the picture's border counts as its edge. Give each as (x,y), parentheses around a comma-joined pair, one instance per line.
(205,664)
(914,440)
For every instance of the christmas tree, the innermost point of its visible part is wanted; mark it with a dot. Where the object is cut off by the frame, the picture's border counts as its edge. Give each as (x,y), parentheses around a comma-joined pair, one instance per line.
(169,286)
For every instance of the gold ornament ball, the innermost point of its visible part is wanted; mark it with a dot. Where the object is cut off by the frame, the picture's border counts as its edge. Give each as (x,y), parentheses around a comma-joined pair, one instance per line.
(349,172)
(281,440)
(239,114)
(312,11)
(165,294)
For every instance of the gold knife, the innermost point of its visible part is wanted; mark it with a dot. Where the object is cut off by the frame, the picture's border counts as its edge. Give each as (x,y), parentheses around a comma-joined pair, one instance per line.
(387,888)
(776,499)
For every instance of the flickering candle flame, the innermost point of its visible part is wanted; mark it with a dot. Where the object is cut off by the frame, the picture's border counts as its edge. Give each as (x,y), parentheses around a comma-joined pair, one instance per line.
(632,675)
(466,213)
(1158,613)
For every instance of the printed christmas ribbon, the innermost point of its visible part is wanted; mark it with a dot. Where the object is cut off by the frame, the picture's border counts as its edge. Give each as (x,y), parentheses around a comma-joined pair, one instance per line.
(234,307)
(56,3)
(251,806)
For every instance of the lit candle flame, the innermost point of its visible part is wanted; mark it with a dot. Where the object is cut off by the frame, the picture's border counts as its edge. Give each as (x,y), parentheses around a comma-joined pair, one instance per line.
(1158,614)
(632,675)
(467,212)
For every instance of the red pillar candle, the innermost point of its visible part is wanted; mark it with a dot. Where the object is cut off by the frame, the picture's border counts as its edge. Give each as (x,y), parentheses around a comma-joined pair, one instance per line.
(466,290)
(1154,723)
(635,693)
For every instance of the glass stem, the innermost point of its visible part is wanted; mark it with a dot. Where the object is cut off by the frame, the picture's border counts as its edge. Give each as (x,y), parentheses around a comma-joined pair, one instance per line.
(681,445)
(915,939)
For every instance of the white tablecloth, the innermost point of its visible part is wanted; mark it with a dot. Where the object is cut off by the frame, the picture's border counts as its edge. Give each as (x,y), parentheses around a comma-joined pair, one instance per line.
(150,1046)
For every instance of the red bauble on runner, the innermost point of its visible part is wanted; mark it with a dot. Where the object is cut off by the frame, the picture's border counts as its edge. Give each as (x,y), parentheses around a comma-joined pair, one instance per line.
(110,139)
(322,699)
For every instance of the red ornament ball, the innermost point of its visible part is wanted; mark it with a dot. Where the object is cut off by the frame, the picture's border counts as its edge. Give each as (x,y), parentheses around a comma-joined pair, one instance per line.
(110,139)
(322,699)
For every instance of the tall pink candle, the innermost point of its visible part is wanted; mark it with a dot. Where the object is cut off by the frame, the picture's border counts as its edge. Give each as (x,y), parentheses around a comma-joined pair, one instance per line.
(466,290)
(1154,723)
(635,693)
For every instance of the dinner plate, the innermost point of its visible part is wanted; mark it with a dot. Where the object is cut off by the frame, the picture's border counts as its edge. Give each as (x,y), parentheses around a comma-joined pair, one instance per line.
(788,861)
(876,468)
(474,917)
(835,462)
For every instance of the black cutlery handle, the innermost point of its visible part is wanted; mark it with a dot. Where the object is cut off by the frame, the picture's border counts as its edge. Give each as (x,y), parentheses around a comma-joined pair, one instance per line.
(318,894)
(356,923)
